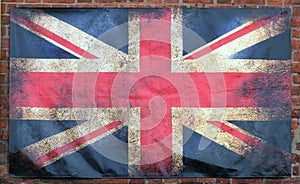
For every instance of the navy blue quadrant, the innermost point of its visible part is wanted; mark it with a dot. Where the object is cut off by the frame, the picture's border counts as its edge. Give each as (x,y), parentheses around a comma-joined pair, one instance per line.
(208,25)
(29,45)
(97,23)
(86,162)
(268,49)
(210,159)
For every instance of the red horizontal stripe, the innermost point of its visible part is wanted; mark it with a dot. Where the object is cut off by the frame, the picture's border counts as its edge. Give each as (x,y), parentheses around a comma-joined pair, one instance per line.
(242,89)
(52,36)
(74,144)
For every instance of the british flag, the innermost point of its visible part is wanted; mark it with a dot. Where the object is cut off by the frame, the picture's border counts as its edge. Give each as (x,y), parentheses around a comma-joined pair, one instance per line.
(150,92)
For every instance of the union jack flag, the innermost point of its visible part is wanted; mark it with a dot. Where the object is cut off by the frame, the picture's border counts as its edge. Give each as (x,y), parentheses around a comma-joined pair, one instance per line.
(150,92)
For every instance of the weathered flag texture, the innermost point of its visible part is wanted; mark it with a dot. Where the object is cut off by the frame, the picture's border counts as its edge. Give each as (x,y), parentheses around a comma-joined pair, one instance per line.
(150,93)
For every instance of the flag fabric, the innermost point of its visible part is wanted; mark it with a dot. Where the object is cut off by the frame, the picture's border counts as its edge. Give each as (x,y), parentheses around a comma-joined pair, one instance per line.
(150,93)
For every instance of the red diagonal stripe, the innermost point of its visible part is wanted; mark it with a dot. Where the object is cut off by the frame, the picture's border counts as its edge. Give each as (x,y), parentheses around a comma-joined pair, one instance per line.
(252,27)
(40,161)
(236,133)
(52,36)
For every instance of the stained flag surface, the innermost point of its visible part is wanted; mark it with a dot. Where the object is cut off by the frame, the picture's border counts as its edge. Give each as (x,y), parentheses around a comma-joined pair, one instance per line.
(150,93)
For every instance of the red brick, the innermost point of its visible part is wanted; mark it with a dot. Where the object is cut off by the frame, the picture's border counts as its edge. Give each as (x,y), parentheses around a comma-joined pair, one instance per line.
(296,22)
(171,1)
(249,2)
(296,79)
(188,180)
(107,1)
(170,180)
(275,2)
(295,90)
(298,146)
(295,113)
(199,1)
(5,20)
(296,56)
(3,8)
(295,171)
(296,68)
(2,147)
(4,31)
(2,158)
(84,1)
(273,181)
(295,2)
(13,180)
(2,67)
(295,159)
(57,181)
(35,5)
(32,181)
(32,1)
(2,79)
(3,123)
(296,44)
(2,170)
(295,33)
(246,181)
(205,180)
(291,180)
(4,135)
(292,135)
(111,181)
(224,1)
(295,124)
(5,43)
(223,180)
(2,90)
(136,181)
(3,112)
(14,1)
(136,1)
(4,55)
(296,11)
(85,181)
(154,1)
(296,101)
(58,1)
(3,102)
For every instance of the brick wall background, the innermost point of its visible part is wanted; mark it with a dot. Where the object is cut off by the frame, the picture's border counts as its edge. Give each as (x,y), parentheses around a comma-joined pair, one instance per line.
(4,69)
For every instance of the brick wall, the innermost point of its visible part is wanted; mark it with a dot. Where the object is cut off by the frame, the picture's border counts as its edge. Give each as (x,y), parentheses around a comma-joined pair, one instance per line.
(7,4)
